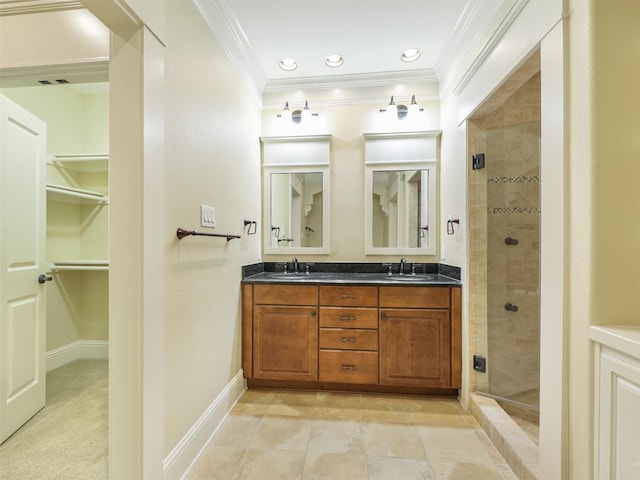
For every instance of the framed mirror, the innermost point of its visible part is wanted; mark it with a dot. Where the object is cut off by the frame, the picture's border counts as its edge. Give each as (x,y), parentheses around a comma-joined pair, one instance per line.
(296,195)
(400,194)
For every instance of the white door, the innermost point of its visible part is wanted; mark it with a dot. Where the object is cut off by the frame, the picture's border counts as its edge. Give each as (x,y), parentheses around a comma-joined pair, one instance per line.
(22,260)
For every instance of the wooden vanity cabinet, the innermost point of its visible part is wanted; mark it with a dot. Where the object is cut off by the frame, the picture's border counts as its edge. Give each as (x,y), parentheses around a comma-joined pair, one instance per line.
(420,341)
(373,338)
(285,332)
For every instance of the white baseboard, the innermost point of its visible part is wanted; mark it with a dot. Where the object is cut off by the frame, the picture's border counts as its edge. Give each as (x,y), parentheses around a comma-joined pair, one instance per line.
(188,450)
(82,349)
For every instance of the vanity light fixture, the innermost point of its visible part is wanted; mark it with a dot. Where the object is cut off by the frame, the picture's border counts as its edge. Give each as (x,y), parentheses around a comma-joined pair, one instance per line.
(288,64)
(306,112)
(410,55)
(286,112)
(413,106)
(392,108)
(334,60)
(401,111)
(298,115)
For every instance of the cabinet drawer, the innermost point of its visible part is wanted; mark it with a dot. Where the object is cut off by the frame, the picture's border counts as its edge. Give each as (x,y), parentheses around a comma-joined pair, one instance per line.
(349,317)
(285,294)
(414,297)
(348,339)
(343,366)
(350,296)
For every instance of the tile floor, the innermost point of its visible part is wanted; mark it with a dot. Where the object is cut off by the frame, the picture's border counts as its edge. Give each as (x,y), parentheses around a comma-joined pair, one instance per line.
(317,435)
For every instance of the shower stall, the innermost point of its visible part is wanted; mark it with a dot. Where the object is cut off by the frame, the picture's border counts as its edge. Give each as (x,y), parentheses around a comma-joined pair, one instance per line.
(504,193)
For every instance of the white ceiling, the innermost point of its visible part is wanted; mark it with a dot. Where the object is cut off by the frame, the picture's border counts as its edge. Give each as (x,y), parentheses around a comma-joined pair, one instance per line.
(370,34)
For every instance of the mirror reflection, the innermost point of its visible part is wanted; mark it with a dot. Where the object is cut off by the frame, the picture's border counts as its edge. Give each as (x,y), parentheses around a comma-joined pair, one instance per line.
(296,210)
(400,209)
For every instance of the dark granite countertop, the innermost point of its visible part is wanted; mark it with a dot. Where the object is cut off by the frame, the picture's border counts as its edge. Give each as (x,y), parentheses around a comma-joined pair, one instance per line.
(352,274)
(352,278)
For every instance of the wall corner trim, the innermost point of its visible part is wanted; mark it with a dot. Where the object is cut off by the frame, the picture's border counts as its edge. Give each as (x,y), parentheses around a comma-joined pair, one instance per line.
(185,454)
(490,44)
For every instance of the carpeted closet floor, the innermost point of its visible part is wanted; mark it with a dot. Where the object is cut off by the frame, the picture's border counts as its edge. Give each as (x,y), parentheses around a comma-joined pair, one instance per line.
(68,438)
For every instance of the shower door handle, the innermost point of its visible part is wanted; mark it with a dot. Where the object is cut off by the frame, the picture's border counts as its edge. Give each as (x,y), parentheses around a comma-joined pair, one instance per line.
(510,308)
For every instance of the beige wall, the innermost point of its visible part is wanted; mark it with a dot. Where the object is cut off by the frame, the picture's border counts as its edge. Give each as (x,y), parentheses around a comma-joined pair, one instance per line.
(604,174)
(212,157)
(616,167)
(347,113)
(60,44)
(77,122)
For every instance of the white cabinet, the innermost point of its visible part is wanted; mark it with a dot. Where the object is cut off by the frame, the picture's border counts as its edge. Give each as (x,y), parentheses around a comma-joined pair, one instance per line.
(617,403)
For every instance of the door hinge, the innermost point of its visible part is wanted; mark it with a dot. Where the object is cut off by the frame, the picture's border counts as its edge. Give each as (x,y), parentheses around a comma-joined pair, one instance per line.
(479,363)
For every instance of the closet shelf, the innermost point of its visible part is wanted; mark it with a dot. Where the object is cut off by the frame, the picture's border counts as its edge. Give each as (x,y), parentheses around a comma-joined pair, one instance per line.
(92,162)
(78,265)
(62,193)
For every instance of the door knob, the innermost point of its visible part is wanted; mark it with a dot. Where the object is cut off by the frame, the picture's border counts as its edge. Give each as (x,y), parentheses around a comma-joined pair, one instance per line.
(43,278)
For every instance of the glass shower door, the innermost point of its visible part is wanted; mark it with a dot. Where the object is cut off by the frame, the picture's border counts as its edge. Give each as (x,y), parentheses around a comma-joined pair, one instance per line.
(512,156)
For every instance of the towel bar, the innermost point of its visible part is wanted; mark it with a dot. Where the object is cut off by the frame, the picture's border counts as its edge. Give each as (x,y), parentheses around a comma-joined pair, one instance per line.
(181,233)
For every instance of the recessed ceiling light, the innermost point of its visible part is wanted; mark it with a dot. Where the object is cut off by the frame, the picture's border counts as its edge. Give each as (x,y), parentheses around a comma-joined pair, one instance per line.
(288,64)
(410,55)
(334,60)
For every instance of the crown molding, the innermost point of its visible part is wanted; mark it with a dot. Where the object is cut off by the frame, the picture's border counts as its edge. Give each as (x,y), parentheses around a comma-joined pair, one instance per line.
(379,79)
(20,7)
(224,26)
(465,27)
(94,70)
(491,43)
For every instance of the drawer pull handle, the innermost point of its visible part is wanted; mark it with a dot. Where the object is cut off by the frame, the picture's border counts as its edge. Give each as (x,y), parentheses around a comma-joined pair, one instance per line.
(346,317)
(348,340)
(347,368)
(347,295)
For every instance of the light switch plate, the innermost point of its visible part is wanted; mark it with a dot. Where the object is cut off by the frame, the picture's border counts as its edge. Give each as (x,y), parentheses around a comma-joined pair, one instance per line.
(208,216)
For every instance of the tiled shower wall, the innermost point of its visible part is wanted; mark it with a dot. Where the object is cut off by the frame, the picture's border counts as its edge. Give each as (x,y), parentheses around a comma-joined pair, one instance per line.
(505,209)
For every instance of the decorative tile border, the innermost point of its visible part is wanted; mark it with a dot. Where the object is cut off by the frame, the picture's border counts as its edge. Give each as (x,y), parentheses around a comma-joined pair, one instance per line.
(525,210)
(518,179)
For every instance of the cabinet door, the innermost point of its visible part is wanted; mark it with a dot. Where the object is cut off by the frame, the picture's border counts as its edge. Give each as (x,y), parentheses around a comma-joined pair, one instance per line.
(415,348)
(618,417)
(285,343)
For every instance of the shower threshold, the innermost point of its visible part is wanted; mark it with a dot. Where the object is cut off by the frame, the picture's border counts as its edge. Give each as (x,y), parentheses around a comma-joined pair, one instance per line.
(515,446)
(526,414)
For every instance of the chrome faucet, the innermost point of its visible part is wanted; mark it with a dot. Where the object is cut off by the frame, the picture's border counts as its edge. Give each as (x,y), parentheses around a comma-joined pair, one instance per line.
(402,262)
(295,265)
